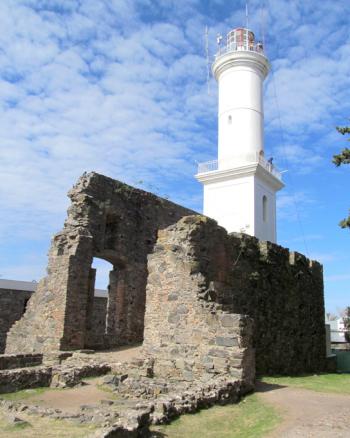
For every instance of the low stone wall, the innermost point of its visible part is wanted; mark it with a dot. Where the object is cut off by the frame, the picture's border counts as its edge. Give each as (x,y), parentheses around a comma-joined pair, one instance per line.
(12,306)
(131,415)
(44,376)
(10,361)
(24,378)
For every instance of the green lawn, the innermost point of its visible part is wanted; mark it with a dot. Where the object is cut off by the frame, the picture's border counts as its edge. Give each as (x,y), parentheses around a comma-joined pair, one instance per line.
(43,427)
(23,394)
(336,383)
(250,418)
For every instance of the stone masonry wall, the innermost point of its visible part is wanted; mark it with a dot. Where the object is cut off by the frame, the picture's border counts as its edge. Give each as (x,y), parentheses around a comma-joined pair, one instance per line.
(96,333)
(12,306)
(189,331)
(283,292)
(201,280)
(112,221)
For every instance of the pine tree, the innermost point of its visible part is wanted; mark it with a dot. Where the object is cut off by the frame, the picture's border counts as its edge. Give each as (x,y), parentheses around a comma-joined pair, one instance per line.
(343,158)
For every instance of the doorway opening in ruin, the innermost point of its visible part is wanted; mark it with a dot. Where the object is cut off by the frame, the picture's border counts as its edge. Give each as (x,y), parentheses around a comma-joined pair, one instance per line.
(96,317)
(116,302)
(103,268)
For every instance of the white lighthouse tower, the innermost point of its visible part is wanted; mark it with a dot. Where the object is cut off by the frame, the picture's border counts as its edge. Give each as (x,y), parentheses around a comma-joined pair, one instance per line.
(240,187)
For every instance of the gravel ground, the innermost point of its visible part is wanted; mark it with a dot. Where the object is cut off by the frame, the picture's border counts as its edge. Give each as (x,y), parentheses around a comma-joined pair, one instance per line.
(306,413)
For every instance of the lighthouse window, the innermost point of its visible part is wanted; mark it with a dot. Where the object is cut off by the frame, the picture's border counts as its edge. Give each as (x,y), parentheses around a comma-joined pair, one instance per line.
(264,208)
(229,120)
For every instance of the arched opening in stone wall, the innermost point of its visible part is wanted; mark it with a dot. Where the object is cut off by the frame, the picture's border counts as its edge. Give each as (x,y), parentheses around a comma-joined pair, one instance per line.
(116,303)
(96,318)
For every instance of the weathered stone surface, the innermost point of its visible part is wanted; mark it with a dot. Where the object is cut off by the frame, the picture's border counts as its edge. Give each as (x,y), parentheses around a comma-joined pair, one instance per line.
(155,401)
(110,220)
(204,287)
(217,278)
(15,421)
(283,292)
(24,378)
(61,376)
(65,377)
(95,333)
(12,306)
(195,255)
(10,361)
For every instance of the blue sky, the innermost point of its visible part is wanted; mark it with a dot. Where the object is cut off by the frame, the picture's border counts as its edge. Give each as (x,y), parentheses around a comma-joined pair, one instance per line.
(119,87)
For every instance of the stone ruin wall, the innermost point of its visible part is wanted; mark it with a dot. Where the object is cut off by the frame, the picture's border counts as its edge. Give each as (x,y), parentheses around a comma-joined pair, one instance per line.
(201,281)
(190,328)
(283,292)
(12,307)
(96,333)
(112,221)
(13,304)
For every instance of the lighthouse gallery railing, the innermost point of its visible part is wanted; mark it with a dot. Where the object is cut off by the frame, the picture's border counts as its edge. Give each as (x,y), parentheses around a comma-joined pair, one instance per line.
(211,166)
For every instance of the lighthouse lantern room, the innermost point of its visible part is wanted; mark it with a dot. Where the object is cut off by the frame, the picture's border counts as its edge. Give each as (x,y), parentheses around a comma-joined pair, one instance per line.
(240,186)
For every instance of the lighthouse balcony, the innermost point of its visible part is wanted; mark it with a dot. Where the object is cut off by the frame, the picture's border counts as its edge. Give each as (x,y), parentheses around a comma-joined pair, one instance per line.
(257,48)
(239,39)
(240,161)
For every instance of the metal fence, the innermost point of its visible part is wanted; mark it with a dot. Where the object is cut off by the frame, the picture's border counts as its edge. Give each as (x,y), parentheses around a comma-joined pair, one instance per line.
(214,165)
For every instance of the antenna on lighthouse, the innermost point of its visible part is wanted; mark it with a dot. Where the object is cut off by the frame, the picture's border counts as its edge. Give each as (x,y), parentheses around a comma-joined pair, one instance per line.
(247,25)
(262,20)
(246,15)
(207,57)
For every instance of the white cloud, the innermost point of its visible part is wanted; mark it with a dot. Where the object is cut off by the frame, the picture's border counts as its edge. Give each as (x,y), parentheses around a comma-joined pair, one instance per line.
(120,87)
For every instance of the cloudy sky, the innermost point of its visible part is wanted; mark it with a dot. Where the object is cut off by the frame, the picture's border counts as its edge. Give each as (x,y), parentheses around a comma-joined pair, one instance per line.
(119,87)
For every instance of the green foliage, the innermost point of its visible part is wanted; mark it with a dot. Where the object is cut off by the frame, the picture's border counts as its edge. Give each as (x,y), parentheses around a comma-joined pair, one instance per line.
(343,158)
(23,394)
(335,383)
(251,418)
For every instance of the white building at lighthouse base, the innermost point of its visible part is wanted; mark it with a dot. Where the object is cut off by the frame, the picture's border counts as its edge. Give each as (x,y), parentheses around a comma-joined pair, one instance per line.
(242,198)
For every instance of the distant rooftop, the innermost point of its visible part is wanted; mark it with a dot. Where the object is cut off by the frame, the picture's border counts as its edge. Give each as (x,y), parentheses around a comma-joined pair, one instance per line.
(32,285)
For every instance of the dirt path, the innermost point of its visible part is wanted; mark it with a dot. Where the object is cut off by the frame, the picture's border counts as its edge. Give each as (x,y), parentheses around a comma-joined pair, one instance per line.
(70,400)
(306,413)
(121,354)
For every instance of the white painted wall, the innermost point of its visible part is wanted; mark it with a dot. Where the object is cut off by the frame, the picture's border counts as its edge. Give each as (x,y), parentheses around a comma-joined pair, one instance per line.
(229,201)
(240,114)
(236,203)
(264,229)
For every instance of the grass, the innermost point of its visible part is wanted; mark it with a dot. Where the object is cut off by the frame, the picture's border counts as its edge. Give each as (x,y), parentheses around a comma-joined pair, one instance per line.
(251,418)
(333,383)
(43,427)
(24,394)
